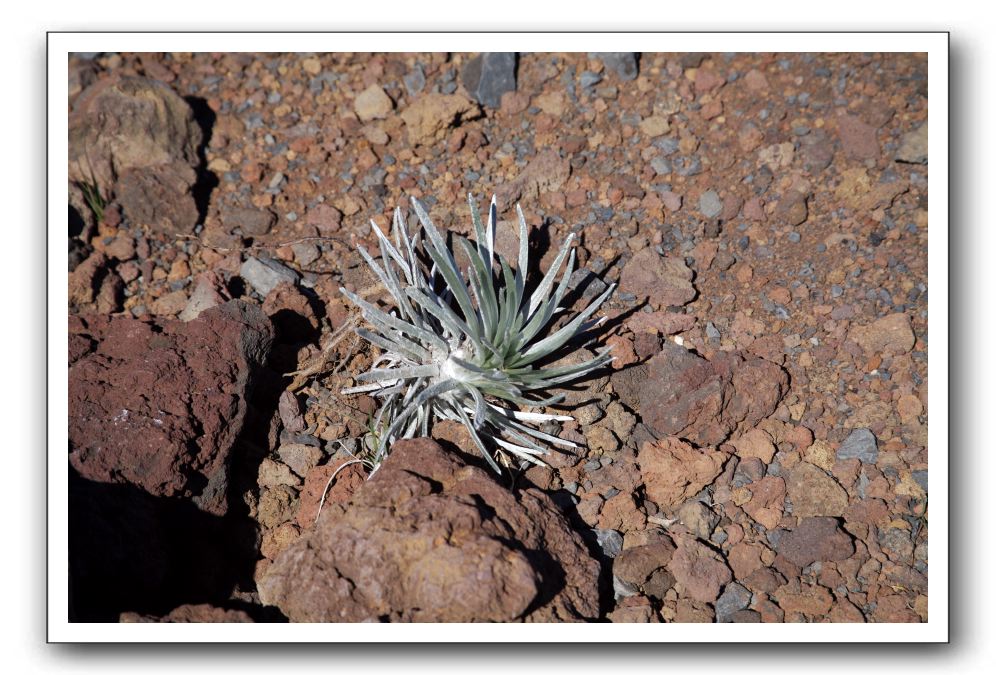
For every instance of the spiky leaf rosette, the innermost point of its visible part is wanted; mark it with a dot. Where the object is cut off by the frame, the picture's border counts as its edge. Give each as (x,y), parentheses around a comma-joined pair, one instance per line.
(465,346)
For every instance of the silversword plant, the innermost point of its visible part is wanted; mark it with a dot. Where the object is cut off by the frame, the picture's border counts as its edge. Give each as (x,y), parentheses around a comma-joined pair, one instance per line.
(465,346)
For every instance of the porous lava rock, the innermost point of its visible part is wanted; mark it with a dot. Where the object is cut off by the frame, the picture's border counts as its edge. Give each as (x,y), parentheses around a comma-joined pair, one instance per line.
(431,538)
(158,405)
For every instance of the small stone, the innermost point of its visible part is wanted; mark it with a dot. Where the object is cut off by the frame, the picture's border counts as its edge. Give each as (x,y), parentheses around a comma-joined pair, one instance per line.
(913,147)
(415,80)
(610,541)
(815,539)
(698,518)
(860,444)
(264,274)
(170,304)
(488,76)
(857,138)
(765,500)
(734,598)
(791,209)
(890,335)
(372,104)
(277,505)
(654,126)
(671,200)
(273,473)
(622,63)
(666,281)
(814,493)
(305,253)
(299,457)
(430,115)
(207,294)
(589,79)
(327,218)
(820,454)
(252,222)
(710,204)
(756,443)
(909,408)
(675,471)
(699,569)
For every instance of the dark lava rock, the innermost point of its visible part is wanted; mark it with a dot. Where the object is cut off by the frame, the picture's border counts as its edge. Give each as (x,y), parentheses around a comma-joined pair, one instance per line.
(489,75)
(430,538)
(860,444)
(159,405)
(624,64)
(679,393)
(815,539)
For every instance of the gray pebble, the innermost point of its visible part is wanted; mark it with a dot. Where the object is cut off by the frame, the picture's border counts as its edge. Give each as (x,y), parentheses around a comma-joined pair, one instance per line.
(589,79)
(487,77)
(734,598)
(610,541)
(710,205)
(860,444)
(264,274)
(415,80)
(623,63)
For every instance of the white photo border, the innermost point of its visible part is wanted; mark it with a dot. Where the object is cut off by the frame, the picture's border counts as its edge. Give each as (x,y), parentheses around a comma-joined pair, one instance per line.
(934,44)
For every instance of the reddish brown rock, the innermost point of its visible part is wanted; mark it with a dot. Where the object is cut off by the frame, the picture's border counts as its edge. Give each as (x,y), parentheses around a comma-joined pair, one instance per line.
(791,209)
(159,406)
(890,335)
(767,501)
(755,443)
(674,471)
(85,281)
(665,323)
(665,280)
(252,222)
(681,394)
(811,600)
(815,539)
(137,138)
(125,123)
(745,559)
(347,482)
(429,538)
(844,611)
(621,513)
(645,568)
(635,609)
(160,197)
(857,138)
(701,571)
(814,492)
